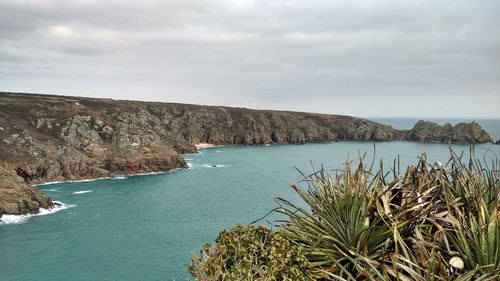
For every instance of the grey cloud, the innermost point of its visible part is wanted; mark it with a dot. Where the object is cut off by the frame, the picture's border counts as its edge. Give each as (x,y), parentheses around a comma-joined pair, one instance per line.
(348,57)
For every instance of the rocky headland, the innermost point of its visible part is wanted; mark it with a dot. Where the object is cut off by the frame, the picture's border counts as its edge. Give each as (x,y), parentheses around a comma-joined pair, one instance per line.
(18,197)
(51,138)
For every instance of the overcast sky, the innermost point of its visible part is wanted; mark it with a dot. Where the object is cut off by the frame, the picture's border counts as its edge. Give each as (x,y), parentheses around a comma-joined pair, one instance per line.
(365,58)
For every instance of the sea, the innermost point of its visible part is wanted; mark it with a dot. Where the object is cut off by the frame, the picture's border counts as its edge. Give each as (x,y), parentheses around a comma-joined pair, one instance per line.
(147,227)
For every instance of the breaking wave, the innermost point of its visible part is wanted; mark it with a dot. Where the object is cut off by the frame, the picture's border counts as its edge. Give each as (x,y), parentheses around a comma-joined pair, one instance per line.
(18,219)
(214,166)
(82,192)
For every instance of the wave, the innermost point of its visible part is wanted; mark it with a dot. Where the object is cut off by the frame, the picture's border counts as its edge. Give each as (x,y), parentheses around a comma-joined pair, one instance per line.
(70,181)
(51,190)
(18,219)
(105,178)
(154,173)
(48,183)
(214,166)
(82,192)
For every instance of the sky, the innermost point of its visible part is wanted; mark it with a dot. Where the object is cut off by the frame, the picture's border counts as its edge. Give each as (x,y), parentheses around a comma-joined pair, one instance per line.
(364,58)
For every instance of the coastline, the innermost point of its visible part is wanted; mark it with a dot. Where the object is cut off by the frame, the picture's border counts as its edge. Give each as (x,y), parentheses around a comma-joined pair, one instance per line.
(7,219)
(201,146)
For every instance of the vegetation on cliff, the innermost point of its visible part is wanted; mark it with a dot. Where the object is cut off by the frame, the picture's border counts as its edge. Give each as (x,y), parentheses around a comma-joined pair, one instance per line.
(431,222)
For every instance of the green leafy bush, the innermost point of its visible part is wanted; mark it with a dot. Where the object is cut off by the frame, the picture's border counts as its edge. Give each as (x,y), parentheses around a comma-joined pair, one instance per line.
(250,253)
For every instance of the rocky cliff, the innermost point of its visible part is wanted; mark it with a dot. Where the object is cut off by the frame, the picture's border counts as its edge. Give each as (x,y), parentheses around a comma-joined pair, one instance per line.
(18,197)
(47,138)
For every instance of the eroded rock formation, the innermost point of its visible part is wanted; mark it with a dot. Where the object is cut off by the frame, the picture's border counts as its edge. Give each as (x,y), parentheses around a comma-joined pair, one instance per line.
(17,196)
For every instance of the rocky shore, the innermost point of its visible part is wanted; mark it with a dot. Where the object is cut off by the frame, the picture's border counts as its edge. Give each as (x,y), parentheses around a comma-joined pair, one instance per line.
(18,197)
(48,138)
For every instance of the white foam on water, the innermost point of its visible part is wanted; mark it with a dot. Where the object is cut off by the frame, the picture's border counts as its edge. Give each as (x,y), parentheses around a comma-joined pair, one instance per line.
(82,192)
(214,166)
(153,173)
(48,183)
(71,181)
(52,190)
(18,219)
(106,178)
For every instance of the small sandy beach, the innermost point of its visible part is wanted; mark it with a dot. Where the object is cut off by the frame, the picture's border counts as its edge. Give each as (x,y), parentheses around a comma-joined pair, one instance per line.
(205,145)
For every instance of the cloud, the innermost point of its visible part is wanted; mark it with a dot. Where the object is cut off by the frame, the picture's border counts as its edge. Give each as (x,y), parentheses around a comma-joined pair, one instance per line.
(348,57)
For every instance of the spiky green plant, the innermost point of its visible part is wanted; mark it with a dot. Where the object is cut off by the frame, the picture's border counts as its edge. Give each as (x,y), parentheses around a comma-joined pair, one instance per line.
(431,222)
(339,234)
(419,225)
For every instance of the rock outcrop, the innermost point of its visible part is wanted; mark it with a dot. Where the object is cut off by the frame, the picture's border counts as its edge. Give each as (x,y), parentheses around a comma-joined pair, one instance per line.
(18,197)
(425,131)
(47,138)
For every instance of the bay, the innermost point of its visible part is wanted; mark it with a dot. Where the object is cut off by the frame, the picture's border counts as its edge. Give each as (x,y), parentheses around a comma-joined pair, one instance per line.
(147,227)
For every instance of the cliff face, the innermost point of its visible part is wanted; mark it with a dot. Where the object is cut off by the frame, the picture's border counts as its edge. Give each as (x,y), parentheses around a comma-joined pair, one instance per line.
(46,138)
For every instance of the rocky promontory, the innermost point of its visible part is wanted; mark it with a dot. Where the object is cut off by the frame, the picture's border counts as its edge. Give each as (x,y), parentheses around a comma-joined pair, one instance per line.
(48,138)
(18,197)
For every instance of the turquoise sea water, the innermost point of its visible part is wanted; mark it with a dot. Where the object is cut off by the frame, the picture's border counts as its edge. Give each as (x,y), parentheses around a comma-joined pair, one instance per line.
(147,227)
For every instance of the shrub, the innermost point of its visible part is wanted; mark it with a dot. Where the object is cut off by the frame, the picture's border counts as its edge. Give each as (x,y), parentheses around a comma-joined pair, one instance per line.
(249,253)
